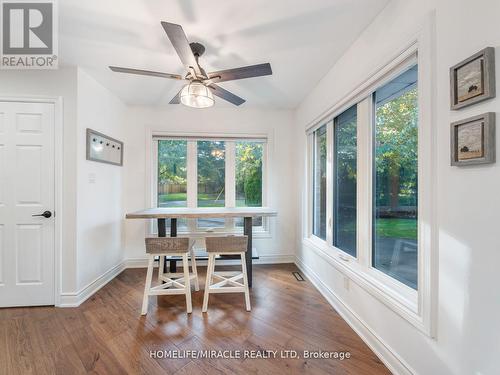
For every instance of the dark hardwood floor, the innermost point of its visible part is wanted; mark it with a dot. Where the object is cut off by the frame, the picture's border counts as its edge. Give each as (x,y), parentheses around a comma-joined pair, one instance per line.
(107,335)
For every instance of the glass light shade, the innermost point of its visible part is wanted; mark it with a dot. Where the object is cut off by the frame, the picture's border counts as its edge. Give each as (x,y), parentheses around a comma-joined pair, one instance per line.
(197,95)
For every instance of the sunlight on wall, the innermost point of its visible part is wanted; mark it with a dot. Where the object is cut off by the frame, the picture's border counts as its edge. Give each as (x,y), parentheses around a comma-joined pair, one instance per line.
(454,278)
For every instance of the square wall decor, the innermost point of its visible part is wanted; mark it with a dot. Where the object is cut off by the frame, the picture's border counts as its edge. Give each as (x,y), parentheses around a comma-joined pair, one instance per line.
(104,149)
(473,80)
(473,140)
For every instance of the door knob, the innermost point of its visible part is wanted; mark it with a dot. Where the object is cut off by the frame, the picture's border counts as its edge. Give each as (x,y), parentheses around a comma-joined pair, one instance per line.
(46,214)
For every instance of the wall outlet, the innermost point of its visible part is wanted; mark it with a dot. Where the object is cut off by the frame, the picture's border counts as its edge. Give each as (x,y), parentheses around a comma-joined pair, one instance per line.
(91,178)
(347,283)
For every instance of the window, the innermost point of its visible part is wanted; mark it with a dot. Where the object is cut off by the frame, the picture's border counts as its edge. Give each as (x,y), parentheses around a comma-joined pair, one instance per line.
(387,124)
(395,179)
(172,175)
(345,181)
(249,157)
(211,179)
(379,227)
(172,181)
(319,184)
(207,172)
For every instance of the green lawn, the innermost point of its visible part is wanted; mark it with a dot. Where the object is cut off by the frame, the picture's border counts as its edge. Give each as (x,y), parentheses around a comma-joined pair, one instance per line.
(386,227)
(172,197)
(400,228)
(390,228)
(205,200)
(183,197)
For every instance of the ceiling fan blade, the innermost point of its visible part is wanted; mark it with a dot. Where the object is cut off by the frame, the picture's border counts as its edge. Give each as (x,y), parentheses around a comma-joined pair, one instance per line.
(226,95)
(180,42)
(144,72)
(176,99)
(241,73)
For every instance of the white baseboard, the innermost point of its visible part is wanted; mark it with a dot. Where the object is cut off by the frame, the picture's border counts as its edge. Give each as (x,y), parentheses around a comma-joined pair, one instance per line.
(275,259)
(386,354)
(263,259)
(77,298)
(137,263)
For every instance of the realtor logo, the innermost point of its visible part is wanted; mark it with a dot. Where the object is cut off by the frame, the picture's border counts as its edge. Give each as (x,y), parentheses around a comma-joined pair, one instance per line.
(28,35)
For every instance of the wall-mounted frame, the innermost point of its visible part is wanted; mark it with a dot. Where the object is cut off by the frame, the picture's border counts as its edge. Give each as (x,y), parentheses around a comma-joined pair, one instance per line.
(473,140)
(104,149)
(473,80)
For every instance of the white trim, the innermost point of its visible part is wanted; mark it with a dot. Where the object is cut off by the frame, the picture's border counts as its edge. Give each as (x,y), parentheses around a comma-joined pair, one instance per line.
(230,139)
(207,135)
(57,101)
(329,181)
(59,202)
(363,194)
(418,308)
(372,285)
(307,227)
(149,225)
(427,185)
(382,73)
(383,351)
(77,298)
(142,262)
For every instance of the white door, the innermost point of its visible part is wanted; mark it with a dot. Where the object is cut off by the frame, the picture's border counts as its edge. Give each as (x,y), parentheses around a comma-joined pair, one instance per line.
(26,189)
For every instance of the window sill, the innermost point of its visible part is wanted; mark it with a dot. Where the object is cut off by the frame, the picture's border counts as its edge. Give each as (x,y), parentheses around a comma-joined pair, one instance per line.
(258,232)
(401,299)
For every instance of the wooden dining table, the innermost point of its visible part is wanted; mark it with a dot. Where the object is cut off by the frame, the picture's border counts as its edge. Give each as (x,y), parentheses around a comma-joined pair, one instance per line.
(162,214)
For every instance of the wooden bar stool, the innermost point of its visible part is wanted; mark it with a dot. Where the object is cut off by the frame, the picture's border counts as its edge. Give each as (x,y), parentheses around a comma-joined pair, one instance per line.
(230,281)
(177,283)
(165,277)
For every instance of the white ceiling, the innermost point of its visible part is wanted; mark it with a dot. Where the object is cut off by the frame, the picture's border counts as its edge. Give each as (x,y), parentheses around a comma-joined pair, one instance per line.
(302,39)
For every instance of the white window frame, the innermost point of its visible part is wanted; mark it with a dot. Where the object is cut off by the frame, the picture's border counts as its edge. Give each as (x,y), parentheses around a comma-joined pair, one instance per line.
(193,229)
(416,306)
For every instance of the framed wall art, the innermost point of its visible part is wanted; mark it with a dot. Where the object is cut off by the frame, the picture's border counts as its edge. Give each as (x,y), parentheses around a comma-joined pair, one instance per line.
(473,80)
(473,140)
(104,149)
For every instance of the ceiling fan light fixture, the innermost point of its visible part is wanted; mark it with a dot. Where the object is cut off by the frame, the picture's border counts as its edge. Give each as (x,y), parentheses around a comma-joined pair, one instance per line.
(197,95)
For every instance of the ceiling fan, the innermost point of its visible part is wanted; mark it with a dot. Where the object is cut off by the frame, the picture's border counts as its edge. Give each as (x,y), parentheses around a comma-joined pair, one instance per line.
(198,92)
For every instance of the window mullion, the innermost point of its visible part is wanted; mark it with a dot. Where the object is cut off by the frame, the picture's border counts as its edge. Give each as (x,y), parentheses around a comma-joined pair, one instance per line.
(152,227)
(308,227)
(192,180)
(154,174)
(230,183)
(329,182)
(265,203)
(364,185)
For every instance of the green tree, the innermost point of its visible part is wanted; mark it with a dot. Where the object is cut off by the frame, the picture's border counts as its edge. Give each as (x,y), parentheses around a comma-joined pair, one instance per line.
(396,149)
(249,172)
(211,166)
(172,162)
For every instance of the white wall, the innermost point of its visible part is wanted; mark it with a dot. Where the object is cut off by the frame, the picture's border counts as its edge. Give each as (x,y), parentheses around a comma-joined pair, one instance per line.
(92,216)
(468,208)
(282,192)
(56,83)
(100,217)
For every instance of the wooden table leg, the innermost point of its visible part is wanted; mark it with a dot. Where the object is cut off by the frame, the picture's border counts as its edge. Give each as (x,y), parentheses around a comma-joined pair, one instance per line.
(162,228)
(173,233)
(162,232)
(247,230)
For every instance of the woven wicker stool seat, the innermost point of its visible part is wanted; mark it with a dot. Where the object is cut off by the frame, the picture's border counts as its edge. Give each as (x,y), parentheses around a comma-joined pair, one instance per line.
(171,283)
(167,245)
(227,281)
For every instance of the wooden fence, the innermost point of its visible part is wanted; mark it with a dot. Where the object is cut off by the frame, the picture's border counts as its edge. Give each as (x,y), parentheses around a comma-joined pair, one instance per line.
(171,188)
